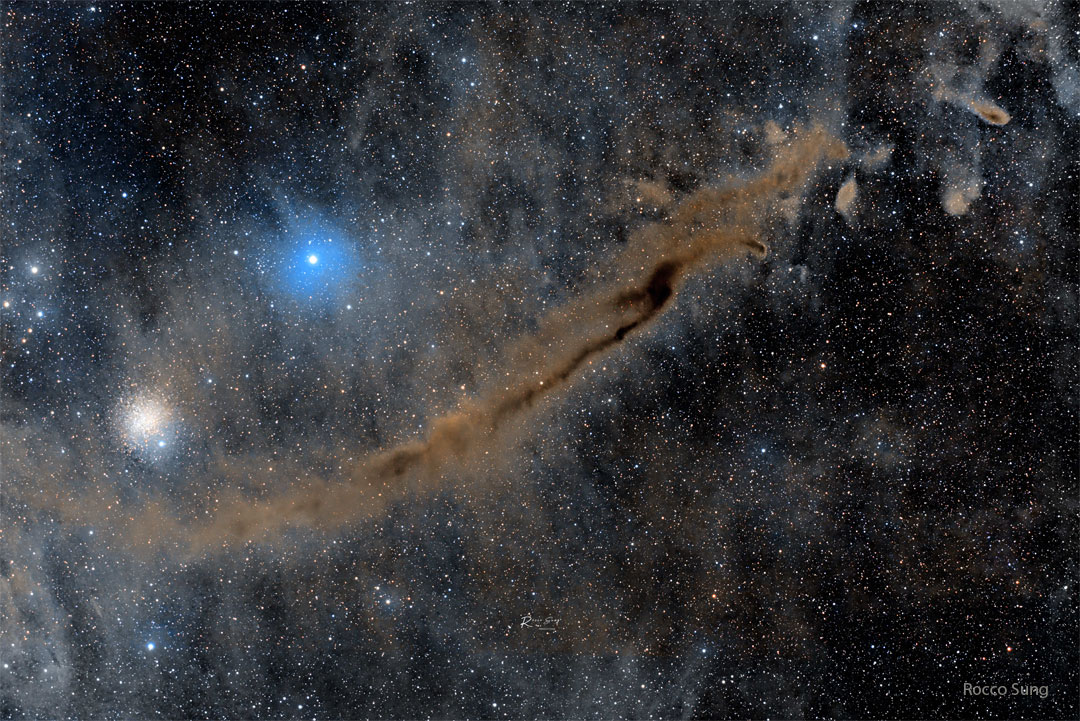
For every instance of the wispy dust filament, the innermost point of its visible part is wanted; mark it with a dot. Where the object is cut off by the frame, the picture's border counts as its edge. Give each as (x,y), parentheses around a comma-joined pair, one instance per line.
(710,225)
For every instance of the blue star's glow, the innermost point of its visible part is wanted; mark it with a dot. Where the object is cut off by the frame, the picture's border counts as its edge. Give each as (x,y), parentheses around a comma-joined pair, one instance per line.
(315,260)
(150,646)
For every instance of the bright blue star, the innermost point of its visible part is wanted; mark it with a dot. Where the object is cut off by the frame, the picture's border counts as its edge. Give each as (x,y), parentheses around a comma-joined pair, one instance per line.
(316,261)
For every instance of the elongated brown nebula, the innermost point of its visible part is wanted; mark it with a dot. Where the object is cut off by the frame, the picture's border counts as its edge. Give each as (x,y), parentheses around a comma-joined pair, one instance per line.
(710,225)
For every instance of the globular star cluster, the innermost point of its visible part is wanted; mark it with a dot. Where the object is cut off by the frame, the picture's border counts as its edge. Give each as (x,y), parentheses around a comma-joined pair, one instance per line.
(539,361)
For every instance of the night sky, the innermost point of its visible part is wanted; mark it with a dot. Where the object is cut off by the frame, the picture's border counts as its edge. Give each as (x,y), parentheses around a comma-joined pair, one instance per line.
(539,361)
